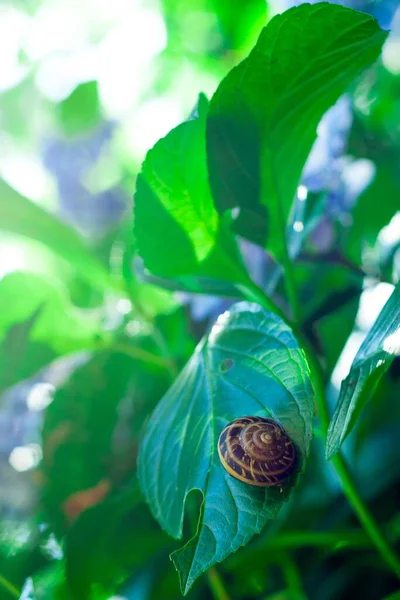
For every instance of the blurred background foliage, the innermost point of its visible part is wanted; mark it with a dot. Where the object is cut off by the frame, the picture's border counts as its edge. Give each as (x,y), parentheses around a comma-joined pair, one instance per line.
(89,344)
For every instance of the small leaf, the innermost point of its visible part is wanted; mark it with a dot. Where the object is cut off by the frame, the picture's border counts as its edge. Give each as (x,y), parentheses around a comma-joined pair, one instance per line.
(263,117)
(250,364)
(177,229)
(37,324)
(20,215)
(59,324)
(81,110)
(195,284)
(374,357)
(19,356)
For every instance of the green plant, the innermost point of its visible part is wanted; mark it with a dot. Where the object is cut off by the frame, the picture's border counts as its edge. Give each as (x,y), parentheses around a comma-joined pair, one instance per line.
(230,173)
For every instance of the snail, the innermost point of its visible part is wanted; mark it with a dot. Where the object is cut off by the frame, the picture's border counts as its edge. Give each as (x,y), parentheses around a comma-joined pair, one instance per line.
(257,451)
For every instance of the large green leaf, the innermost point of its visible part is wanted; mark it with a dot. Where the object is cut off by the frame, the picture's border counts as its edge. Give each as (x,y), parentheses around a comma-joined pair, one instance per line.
(374,357)
(250,364)
(20,215)
(177,229)
(263,117)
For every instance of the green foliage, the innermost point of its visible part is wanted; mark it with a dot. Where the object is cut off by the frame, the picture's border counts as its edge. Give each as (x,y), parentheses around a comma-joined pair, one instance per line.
(20,215)
(179,449)
(31,330)
(128,528)
(377,352)
(146,376)
(22,553)
(88,452)
(177,228)
(81,110)
(264,115)
(23,293)
(374,209)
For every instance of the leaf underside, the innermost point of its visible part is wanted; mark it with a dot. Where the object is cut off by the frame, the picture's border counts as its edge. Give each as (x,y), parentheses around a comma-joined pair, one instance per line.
(374,357)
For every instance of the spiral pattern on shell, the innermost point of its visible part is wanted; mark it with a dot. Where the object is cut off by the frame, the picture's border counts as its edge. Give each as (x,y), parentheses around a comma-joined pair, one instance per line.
(257,451)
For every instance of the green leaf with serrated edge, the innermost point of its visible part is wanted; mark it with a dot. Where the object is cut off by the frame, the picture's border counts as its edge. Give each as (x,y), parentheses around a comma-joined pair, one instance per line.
(374,357)
(263,117)
(20,215)
(177,229)
(266,374)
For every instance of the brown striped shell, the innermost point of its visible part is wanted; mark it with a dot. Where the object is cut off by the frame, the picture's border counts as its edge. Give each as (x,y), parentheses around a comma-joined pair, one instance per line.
(257,451)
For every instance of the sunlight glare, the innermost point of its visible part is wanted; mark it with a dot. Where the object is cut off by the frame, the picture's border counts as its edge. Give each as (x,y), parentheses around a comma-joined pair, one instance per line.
(40,396)
(55,28)
(390,234)
(153,120)
(346,358)
(298,226)
(12,258)
(124,306)
(302,193)
(218,326)
(35,182)
(58,75)
(372,301)
(13,24)
(125,57)
(391,55)
(25,458)
(391,344)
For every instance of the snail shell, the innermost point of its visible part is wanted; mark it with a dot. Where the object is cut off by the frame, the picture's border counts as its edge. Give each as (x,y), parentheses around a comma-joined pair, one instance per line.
(257,451)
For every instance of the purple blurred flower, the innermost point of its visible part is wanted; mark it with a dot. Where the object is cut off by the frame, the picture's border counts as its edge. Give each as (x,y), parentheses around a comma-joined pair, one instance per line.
(68,161)
(63,157)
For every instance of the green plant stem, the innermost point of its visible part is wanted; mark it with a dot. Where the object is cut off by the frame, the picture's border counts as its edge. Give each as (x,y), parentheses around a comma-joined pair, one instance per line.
(140,354)
(253,293)
(290,285)
(348,485)
(314,539)
(292,577)
(9,587)
(216,584)
(364,516)
(158,336)
(343,472)
(283,254)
